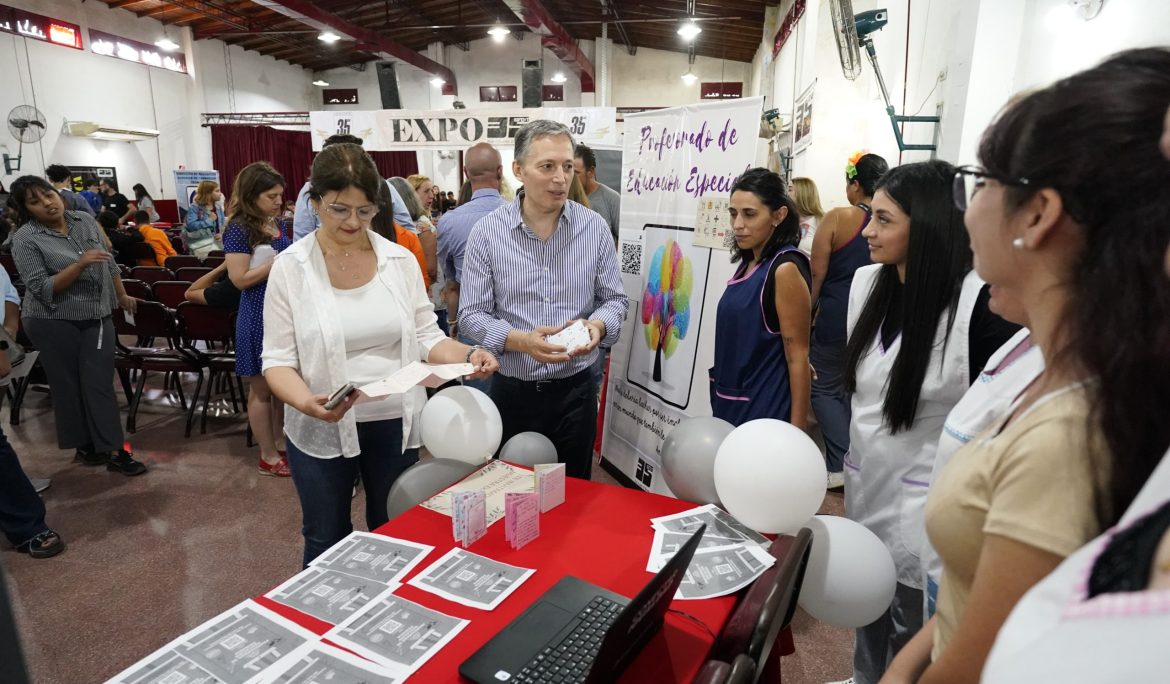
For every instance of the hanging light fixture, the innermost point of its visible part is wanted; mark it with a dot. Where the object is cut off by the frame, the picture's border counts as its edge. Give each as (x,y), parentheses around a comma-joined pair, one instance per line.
(689,30)
(689,78)
(559,77)
(165,43)
(438,82)
(499,32)
(321,83)
(328,37)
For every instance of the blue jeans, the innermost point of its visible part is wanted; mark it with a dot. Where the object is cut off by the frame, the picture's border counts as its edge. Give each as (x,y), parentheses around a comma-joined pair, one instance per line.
(830,404)
(22,513)
(325,485)
(484,385)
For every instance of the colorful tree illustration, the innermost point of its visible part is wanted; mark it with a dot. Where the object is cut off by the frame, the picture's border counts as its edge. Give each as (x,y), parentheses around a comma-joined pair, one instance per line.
(666,303)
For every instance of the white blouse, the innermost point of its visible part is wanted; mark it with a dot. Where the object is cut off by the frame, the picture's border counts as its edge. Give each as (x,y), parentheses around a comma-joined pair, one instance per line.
(303,330)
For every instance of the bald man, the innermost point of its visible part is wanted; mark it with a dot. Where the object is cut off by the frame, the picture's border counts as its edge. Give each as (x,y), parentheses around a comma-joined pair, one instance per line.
(484,169)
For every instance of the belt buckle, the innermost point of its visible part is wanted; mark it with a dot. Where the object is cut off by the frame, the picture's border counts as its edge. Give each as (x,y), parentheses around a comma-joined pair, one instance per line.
(542,385)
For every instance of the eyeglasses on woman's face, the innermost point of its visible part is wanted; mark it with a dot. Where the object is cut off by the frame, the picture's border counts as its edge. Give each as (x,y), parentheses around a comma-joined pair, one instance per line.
(342,212)
(969,180)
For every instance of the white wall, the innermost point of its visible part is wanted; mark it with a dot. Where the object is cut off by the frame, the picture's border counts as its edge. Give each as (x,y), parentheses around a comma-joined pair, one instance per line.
(67,84)
(653,78)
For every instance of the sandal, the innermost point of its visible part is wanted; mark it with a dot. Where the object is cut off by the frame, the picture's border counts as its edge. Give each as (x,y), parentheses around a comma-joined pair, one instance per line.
(45,545)
(278,469)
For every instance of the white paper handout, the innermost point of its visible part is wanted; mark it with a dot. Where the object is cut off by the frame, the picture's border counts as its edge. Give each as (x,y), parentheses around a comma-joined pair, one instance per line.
(573,336)
(495,479)
(373,556)
(719,524)
(261,255)
(398,634)
(413,374)
(234,647)
(471,579)
(320,664)
(666,544)
(718,572)
(327,594)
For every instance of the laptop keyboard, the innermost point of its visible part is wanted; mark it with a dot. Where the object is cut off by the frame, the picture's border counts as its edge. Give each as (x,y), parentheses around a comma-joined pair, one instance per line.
(570,659)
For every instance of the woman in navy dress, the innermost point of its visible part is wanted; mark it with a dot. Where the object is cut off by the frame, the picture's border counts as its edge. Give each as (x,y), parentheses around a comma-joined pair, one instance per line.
(762,324)
(250,243)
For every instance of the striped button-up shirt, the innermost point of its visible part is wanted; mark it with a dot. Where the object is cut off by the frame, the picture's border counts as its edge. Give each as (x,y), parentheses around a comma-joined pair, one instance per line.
(514,280)
(41,253)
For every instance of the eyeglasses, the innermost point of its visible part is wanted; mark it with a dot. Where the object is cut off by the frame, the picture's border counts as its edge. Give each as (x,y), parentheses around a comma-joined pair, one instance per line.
(969,179)
(341,212)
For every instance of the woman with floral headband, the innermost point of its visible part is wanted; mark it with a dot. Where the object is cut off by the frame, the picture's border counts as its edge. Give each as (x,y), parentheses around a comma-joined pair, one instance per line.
(838,251)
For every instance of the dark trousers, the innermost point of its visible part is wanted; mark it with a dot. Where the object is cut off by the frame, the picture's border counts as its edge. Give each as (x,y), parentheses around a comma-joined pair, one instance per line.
(830,404)
(563,410)
(78,357)
(325,485)
(22,513)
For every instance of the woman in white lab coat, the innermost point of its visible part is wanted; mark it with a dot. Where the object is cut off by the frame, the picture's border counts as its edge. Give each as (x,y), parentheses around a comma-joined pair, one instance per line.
(919,332)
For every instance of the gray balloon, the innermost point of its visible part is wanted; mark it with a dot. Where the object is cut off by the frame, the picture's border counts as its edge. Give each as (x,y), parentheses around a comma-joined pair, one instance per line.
(529,448)
(688,458)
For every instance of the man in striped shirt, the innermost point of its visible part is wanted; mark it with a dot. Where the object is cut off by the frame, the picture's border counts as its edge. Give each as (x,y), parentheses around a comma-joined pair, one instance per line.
(531,268)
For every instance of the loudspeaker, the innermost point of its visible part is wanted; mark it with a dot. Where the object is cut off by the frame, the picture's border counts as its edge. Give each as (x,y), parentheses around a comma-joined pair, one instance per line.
(388,85)
(532,83)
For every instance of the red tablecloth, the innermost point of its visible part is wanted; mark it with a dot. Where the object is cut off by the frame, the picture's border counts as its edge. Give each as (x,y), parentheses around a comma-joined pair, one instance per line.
(602,535)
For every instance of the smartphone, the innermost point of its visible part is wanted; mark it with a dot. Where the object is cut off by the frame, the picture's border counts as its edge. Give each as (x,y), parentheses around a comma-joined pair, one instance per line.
(339,396)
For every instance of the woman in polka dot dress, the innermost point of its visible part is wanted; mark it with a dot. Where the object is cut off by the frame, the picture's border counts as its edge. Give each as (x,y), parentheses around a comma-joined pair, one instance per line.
(251,242)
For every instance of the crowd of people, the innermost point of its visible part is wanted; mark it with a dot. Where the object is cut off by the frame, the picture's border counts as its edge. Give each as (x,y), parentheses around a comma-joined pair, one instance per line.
(985,349)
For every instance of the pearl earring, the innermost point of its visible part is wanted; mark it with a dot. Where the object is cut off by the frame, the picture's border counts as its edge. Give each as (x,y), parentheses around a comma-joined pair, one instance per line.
(1018,243)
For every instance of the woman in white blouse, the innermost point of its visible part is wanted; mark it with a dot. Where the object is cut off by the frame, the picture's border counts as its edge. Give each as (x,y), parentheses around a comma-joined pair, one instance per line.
(345,305)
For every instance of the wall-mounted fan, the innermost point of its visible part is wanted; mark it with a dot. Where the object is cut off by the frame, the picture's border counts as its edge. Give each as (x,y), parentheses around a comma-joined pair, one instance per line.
(27,125)
(853,33)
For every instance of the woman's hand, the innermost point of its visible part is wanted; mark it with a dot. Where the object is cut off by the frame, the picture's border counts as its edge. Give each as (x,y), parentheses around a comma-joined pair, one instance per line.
(93,256)
(485,364)
(128,303)
(315,407)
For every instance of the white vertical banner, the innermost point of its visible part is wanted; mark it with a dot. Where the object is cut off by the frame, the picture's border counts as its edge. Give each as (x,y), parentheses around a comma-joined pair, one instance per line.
(675,163)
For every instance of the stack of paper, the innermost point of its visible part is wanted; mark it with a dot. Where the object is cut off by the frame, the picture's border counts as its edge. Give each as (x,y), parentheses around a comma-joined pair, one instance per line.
(397,634)
(550,485)
(572,337)
(468,516)
(470,579)
(730,555)
(495,479)
(521,519)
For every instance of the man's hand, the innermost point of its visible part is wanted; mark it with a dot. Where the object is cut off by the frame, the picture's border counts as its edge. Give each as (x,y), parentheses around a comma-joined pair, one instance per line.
(596,334)
(541,349)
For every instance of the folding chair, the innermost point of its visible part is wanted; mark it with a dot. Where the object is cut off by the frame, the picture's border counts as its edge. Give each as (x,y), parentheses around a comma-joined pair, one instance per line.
(183,261)
(153,320)
(138,289)
(151,274)
(191,273)
(170,293)
(200,323)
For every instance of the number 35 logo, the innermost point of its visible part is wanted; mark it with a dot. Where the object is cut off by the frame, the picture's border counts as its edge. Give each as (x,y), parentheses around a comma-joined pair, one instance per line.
(343,126)
(577,125)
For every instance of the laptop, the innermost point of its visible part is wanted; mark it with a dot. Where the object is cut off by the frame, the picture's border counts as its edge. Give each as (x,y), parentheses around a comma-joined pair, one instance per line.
(579,632)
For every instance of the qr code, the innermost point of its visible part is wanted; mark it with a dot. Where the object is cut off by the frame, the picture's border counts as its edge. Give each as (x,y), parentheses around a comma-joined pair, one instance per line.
(632,258)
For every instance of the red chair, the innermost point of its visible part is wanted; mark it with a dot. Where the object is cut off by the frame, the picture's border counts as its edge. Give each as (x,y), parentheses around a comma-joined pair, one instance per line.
(183,261)
(9,264)
(153,320)
(179,245)
(767,607)
(192,273)
(138,289)
(170,293)
(151,274)
(212,261)
(740,671)
(216,253)
(215,328)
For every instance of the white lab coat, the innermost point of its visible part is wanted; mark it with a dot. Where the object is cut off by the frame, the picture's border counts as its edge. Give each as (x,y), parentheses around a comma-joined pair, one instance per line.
(1055,635)
(887,475)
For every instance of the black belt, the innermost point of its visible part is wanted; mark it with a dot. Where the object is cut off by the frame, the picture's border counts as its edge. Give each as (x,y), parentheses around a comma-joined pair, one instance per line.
(548,385)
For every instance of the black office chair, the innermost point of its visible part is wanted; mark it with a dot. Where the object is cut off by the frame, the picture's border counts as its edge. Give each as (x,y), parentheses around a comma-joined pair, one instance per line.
(10,653)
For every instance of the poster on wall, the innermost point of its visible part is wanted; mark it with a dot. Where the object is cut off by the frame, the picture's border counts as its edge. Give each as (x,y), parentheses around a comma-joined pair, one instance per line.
(454,129)
(186,183)
(802,120)
(675,161)
(85,174)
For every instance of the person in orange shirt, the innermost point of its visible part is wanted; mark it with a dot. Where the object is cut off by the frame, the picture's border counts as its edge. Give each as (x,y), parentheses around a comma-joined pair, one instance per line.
(154,237)
(384,225)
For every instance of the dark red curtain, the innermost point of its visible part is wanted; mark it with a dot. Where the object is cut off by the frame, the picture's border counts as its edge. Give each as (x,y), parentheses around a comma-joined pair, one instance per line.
(290,152)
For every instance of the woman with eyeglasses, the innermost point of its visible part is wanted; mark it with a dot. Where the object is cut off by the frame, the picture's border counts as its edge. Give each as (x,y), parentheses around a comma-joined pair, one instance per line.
(250,244)
(919,333)
(346,306)
(1084,254)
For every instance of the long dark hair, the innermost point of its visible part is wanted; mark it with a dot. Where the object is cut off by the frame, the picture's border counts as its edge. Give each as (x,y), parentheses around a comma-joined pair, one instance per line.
(383,223)
(769,188)
(1093,137)
(938,258)
(252,181)
(140,192)
(868,170)
(22,188)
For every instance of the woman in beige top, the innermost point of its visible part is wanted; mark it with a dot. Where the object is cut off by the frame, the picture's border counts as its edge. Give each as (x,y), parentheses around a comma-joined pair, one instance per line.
(1076,247)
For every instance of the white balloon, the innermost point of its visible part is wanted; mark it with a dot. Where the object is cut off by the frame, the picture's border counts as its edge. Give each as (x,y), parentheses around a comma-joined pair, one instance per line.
(770,475)
(529,448)
(461,423)
(688,458)
(850,578)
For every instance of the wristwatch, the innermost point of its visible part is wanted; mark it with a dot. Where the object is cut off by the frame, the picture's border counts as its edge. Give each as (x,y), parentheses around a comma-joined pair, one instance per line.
(470,352)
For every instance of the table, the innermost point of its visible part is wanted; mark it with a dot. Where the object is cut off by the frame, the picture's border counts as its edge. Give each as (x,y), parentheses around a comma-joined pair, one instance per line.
(601,534)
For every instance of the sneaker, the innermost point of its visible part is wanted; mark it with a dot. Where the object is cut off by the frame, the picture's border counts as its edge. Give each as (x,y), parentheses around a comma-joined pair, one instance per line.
(91,458)
(40,484)
(836,481)
(123,462)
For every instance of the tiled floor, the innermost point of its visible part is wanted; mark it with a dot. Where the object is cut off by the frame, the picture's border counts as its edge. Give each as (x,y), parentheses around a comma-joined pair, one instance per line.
(152,556)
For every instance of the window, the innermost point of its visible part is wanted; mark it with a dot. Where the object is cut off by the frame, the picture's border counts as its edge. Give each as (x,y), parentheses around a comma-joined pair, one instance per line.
(721,91)
(553,93)
(498,93)
(332,96)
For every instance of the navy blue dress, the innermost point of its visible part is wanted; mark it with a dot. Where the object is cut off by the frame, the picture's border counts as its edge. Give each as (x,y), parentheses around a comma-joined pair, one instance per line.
(250,318)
